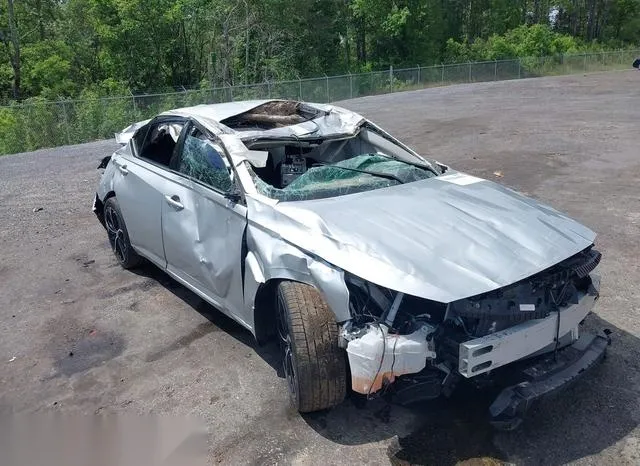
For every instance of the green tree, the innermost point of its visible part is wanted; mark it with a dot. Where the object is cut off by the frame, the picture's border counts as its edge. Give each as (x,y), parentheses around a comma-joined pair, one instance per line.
(53,48)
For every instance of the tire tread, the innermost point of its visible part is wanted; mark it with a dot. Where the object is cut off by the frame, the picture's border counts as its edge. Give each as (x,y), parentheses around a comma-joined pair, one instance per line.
(320,363)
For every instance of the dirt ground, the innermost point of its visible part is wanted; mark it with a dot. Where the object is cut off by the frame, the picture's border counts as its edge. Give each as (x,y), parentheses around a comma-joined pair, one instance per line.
(79,334)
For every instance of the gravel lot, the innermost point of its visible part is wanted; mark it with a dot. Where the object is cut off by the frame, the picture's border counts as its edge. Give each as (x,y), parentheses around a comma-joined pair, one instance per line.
(140,343)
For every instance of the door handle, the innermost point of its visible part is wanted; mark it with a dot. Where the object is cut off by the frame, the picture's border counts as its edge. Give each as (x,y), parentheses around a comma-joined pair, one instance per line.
(174,201)
(122,168)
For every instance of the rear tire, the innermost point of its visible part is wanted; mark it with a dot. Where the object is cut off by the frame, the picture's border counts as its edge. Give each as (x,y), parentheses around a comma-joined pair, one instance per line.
(118,235)
(314,365)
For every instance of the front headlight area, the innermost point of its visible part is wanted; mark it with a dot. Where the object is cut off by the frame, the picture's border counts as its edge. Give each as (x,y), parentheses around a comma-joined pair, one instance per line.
(395,337)
(390,335)
(371,304)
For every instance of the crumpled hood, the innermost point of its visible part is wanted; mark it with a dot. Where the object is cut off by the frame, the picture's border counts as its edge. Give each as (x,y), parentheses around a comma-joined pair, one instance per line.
(443,238)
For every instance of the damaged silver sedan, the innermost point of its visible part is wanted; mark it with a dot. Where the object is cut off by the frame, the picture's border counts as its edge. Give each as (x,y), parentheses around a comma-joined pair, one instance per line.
(377,269)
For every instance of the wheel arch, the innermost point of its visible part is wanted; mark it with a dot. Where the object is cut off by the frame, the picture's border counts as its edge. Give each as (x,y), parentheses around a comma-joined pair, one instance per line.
(98,206)
(264,298)
(264,310)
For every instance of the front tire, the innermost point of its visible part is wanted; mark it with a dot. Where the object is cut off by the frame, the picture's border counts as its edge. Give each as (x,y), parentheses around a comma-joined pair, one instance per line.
(314,365)
(118,235)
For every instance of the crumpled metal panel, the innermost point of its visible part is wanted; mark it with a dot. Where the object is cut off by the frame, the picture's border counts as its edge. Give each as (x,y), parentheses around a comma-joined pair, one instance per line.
(124,136)
(239,152)
(203,244)
(217,112)
(279,259)
(334,123)
(444,238)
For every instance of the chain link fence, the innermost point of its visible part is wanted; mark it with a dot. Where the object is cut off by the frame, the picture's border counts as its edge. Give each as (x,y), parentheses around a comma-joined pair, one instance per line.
(29,126)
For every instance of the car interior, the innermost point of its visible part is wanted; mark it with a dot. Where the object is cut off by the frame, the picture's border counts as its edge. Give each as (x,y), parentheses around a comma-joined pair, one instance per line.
(311,169)
(201,159)
(288,160)
(294,170)
(159,142)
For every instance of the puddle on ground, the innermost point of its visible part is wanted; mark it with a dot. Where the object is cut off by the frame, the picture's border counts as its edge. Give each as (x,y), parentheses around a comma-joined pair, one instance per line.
(76,347)
(89,352)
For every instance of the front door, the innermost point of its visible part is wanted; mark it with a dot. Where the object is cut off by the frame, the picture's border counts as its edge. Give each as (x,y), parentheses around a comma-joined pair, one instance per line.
(203,225)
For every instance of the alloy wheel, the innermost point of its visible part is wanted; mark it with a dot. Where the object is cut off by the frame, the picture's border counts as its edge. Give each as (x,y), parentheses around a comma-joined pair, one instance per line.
(116,234)
(286,351)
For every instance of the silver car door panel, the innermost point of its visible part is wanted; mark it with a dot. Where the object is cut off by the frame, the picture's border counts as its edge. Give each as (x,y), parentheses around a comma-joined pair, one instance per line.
(136,185)
(220,228)
(202,234)
(178,228)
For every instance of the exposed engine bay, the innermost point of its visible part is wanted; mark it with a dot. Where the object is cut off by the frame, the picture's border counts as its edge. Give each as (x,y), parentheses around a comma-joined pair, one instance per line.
(428,346)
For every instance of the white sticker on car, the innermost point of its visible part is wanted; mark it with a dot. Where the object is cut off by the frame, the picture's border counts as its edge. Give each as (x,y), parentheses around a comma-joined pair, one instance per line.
(460,179)
(527,307)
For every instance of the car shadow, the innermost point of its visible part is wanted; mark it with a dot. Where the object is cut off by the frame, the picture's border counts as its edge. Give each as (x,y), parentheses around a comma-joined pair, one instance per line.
(586,418)
(269,352)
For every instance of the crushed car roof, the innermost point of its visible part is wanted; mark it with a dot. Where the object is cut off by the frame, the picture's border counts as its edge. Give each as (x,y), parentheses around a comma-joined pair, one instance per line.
(329,120)
(321,120)
(324,121)
(217,112)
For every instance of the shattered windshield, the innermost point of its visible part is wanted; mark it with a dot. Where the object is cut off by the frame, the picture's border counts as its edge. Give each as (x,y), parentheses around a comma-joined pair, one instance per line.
(335,159)
(357,174)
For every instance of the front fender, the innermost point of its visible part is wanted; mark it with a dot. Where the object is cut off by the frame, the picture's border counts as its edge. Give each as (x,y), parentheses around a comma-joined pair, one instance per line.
(270,257)
(106,184)
(106,181)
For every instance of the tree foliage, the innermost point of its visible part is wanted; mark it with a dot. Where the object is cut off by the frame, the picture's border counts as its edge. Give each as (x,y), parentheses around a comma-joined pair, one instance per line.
(524,41)
(72,48)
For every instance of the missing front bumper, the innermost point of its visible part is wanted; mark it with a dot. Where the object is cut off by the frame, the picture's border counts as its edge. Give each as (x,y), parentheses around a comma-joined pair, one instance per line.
(545,377)
(498,349)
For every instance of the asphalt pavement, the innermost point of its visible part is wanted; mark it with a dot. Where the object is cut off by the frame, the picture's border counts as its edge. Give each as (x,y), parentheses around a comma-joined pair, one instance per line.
(80,335)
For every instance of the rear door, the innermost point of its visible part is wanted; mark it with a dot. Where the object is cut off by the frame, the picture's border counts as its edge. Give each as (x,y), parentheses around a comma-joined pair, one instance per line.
(203,222)
(141,178)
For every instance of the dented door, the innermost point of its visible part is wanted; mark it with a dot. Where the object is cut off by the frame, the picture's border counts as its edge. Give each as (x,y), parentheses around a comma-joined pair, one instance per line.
(202,229)
(202,234)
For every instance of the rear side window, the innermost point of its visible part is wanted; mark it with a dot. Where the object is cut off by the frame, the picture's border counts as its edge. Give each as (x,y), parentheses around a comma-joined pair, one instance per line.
(138,138)
(160,140)
(205,162)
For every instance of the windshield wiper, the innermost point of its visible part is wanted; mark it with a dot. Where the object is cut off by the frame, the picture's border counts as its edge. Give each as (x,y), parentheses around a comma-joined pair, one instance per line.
(379,174)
